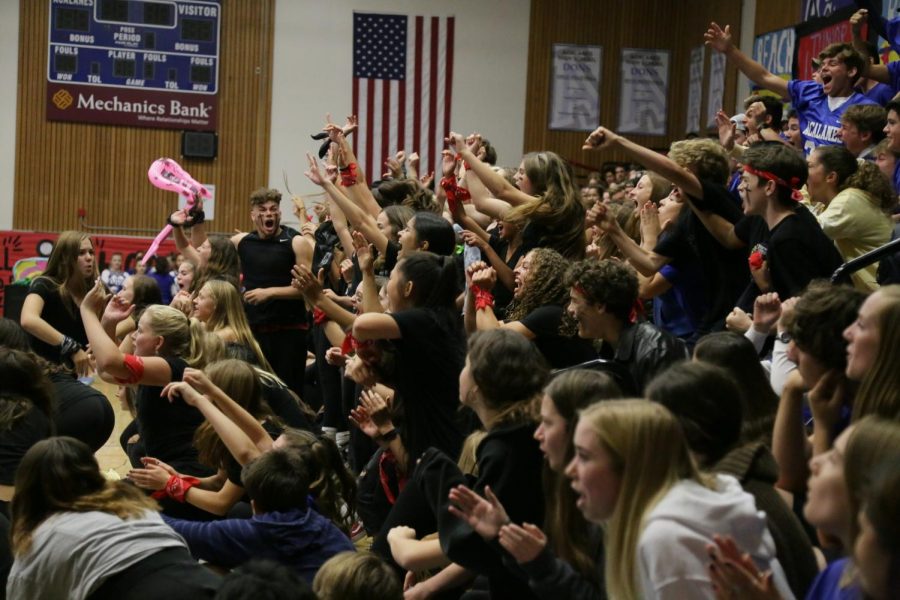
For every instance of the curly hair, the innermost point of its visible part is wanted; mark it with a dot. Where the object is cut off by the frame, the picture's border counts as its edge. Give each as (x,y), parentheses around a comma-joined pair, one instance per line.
(544,286)
(706,158)
(864,176)
(608,282)
(819,319)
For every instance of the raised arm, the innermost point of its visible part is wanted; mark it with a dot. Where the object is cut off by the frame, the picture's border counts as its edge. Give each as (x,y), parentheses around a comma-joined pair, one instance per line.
(646,262)
(110,360)
(720,40)
(603,138)
(494,182)
(311,288)
(359,190)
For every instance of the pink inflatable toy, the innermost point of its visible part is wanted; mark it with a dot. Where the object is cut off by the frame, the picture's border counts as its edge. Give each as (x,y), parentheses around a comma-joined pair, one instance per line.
(166,174)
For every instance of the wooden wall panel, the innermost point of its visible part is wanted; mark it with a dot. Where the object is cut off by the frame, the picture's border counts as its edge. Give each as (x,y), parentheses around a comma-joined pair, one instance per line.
(776,14)
(61,167)
(676,26)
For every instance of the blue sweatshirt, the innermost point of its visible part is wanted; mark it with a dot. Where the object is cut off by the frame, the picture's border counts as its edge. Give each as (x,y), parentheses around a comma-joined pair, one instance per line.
(301,539)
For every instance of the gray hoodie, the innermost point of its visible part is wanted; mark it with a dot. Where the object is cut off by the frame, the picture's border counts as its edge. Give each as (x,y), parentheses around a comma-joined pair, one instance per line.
(72,553)
(672,557)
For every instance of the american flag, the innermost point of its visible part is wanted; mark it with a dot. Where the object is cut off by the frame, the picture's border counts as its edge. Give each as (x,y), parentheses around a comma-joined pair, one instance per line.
(402,87)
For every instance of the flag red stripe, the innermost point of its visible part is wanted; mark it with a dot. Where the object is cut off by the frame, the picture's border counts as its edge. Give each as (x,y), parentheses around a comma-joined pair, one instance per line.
(356,84)
(401,117)
(417,83)
(370,126)
(385,128)
(432,96)
(448,75)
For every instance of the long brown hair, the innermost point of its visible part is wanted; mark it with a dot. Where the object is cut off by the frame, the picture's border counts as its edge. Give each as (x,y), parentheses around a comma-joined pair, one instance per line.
(568,531)
(331,483)
(224,263)
(23,384)
(240,382)
(879,392)
(557,209)
(62,269)
(229,312)
(60,474)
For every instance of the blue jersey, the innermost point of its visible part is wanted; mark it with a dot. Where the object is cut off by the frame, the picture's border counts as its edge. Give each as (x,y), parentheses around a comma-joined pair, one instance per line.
(882,93)
(819,124)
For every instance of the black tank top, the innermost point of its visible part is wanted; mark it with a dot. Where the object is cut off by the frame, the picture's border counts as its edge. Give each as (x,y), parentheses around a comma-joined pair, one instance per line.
(267,263)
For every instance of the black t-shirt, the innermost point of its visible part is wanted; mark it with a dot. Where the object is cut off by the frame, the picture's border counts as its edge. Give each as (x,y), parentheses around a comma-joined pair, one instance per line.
(430,356)
(796,250)
(559,351)
(267,263)
(31,428)
(167,428)
(503,296)
(285,407)
(724,271)
(65,319)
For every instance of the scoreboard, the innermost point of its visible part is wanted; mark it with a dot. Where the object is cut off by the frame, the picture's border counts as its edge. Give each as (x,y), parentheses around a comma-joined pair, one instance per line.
(149,63)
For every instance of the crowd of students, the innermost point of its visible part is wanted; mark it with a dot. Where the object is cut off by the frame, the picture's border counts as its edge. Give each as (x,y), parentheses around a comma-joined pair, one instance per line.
(489,381)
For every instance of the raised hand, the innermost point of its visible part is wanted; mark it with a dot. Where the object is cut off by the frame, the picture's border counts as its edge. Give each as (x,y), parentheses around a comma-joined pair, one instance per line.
(485,516)
(377,408)
(766,312)
(858,19)
(448,163)
(180,389)
(650,227)
(360,417)
(599,138)
(717,38)
(523,543)
(473,142)
(456,142)
(351,125)
(600,216)
(302,279)
(734,574)
(364,254)
(413,161)
(198,380)
(726,129)
(738,321)
(473,239)
(314,173)
(485,277)
(118,310)
(96,298)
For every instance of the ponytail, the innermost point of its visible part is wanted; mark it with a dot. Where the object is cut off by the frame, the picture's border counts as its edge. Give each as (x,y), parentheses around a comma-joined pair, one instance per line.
(434,279)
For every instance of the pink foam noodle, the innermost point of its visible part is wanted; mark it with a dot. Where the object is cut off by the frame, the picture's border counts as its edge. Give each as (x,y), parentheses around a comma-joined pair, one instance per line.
(166,174)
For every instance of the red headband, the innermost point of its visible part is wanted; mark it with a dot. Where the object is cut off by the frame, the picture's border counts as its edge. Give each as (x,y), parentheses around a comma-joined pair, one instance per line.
(769,176)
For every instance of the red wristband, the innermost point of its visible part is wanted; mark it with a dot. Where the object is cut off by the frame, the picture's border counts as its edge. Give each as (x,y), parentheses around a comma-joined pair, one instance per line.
(483,298)
(319,316)
(348,175)
(462,194)
(177,487)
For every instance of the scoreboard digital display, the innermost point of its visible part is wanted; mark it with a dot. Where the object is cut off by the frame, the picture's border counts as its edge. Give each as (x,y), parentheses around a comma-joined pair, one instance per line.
(137,47)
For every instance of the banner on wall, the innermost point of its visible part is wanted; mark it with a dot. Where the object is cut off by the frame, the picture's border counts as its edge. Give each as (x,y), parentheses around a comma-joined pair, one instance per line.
(814,9)
(814,35)
(645,86)
(716,91)
(695,90)
(775,51)
(139,63)
(575,87)
(18,246)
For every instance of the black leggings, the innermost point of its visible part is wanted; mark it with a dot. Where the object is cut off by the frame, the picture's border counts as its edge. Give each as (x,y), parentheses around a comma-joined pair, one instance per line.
(329,378)
(286,351)
(171,574)
(84,414)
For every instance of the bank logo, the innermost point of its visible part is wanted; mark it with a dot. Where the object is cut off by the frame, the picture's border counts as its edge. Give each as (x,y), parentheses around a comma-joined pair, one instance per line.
(62,99)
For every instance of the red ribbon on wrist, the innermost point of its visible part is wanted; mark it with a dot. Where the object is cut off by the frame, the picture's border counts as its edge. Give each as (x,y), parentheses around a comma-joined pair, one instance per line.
(319,316)
(483,298)
(176,488)
(348,175)
(351,344)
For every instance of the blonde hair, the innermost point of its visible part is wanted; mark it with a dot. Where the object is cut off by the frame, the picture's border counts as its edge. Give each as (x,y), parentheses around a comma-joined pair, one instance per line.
(229,312)
(183,337)
(356,576)
(468,456)
(649,452)
(705,158)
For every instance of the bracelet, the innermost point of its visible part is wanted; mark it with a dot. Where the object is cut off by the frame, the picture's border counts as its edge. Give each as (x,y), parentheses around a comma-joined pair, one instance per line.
(462,194)
(68,347)
(348,175)
(197,216)
(390,436)
(483,298)
(173,223)
(177,487)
